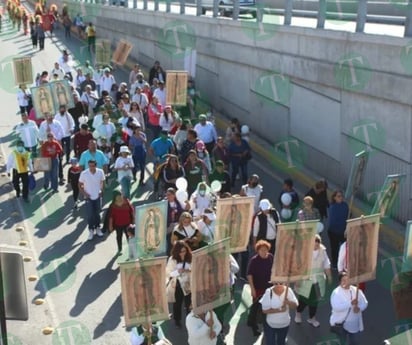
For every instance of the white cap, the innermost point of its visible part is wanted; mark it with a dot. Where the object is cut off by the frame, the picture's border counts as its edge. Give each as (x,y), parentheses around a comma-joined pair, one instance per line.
(265,204)
(124,149)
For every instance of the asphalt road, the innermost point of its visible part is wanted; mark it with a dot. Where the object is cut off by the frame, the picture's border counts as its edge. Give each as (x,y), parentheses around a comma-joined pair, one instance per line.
(79,280)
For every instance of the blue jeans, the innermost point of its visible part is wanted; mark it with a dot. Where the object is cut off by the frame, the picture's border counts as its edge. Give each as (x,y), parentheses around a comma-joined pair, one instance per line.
(353,338)
(125,184)
(93,209)
(139,163)
(236,165)
(51,175)
(275,336)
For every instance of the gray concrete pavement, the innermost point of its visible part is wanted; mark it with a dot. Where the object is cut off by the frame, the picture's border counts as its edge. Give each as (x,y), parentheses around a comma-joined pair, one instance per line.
(79,280)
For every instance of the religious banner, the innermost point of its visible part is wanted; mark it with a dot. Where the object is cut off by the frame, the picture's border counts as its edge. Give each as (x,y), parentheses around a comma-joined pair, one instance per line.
(122,52)
(23,71)
(401,290)
(176,87)
(42,164)
(294,249)
(210,276)
(407,252)
(43,100)
(357,172)
(62,94)
(143,290)
(234,220)
(362,236)
(151,224)
(103,52)
(387,195)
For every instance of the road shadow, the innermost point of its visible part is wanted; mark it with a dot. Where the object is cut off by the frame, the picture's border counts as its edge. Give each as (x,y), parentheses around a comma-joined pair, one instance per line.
(111,318)
(93,286)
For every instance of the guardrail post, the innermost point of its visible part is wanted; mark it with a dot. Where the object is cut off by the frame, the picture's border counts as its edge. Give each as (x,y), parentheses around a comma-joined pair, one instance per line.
(145,4)
(288,12)
(361,17)
(182,6)
(408,20)
(198,7)
(168,6)
(134,3)
(215,8)
(156,5)
(236,10)
(321,14)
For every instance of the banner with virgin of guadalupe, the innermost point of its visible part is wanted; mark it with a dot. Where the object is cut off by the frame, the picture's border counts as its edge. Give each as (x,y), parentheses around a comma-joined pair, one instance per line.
(234,220)
(362,235)
(295,243)
(151,222)
(144,291)
(210,276)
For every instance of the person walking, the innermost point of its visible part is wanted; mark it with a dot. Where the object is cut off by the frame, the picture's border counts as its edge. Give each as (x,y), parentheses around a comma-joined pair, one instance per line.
(348,302)
(67,123)
(124,166)
(28,133)
(91,183)
(265,224)
(338,214)
(91,37)
(52,149)
(19,163)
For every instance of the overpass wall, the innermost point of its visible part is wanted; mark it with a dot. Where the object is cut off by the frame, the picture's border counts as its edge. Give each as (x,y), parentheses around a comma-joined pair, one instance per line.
(328,94)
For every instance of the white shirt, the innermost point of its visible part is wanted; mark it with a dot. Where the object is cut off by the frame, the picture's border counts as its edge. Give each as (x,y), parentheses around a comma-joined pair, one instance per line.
(271,227)
(141,99)
(270,300)
(21,98)
(89,99)
(161,96)
(166,124)
(55,127)
(66,66)
(255,192)
(199,203)
(135,85)
(79,80)
(66,122)
(28,133)
(93,183)
(120,163)
(206,133)
(106,82)
(207,230)
(342,262)
(198,331)
(59,71)
(342,308)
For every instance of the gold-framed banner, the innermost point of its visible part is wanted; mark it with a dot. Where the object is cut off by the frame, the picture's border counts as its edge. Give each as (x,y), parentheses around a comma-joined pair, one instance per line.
(151,224)
(294,249)
(357,172)
(234,220)
(43,102)
(62,94)
(144,291)
(210,283)
(23,71)
(176,87)
(362,236)
(103,52)
(122,52)
(407,251)
(387,195)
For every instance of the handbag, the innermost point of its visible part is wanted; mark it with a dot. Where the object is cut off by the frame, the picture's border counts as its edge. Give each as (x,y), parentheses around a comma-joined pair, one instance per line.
(32,182)
(338,329)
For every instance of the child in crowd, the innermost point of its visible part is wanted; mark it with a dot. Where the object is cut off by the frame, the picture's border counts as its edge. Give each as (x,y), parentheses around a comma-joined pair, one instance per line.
(73,179)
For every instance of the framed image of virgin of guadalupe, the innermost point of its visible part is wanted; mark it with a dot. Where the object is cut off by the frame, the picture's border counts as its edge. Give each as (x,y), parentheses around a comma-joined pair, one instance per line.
(143,288)
(62,94)
(234,220)
(122,52)
(23,71)
(43,100)
(387,195)
(176,87)
(103,52)
(151,223)
(294,249)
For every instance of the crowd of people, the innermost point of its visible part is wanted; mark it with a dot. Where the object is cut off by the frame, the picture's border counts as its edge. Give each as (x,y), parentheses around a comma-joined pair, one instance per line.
(114,130)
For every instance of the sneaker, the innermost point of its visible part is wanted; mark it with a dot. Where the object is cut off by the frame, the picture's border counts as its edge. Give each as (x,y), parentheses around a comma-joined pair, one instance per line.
(298,318)
(91,235)
(99,232)
(313,322)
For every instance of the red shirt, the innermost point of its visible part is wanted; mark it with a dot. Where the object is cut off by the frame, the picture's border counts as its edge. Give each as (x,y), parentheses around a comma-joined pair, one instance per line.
(121,216)
(51,149)
(81,143)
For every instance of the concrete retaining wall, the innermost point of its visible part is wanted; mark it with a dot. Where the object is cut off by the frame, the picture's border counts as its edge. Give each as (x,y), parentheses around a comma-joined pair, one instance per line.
(335,92)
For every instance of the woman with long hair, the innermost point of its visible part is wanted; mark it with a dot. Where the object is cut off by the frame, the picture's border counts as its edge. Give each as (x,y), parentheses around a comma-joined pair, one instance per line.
(137,113)
(171,172)
(178,279)
(167,119)
(187,231)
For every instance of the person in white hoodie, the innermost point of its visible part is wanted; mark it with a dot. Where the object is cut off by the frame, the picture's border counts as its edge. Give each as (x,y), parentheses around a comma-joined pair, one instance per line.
(348,302)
